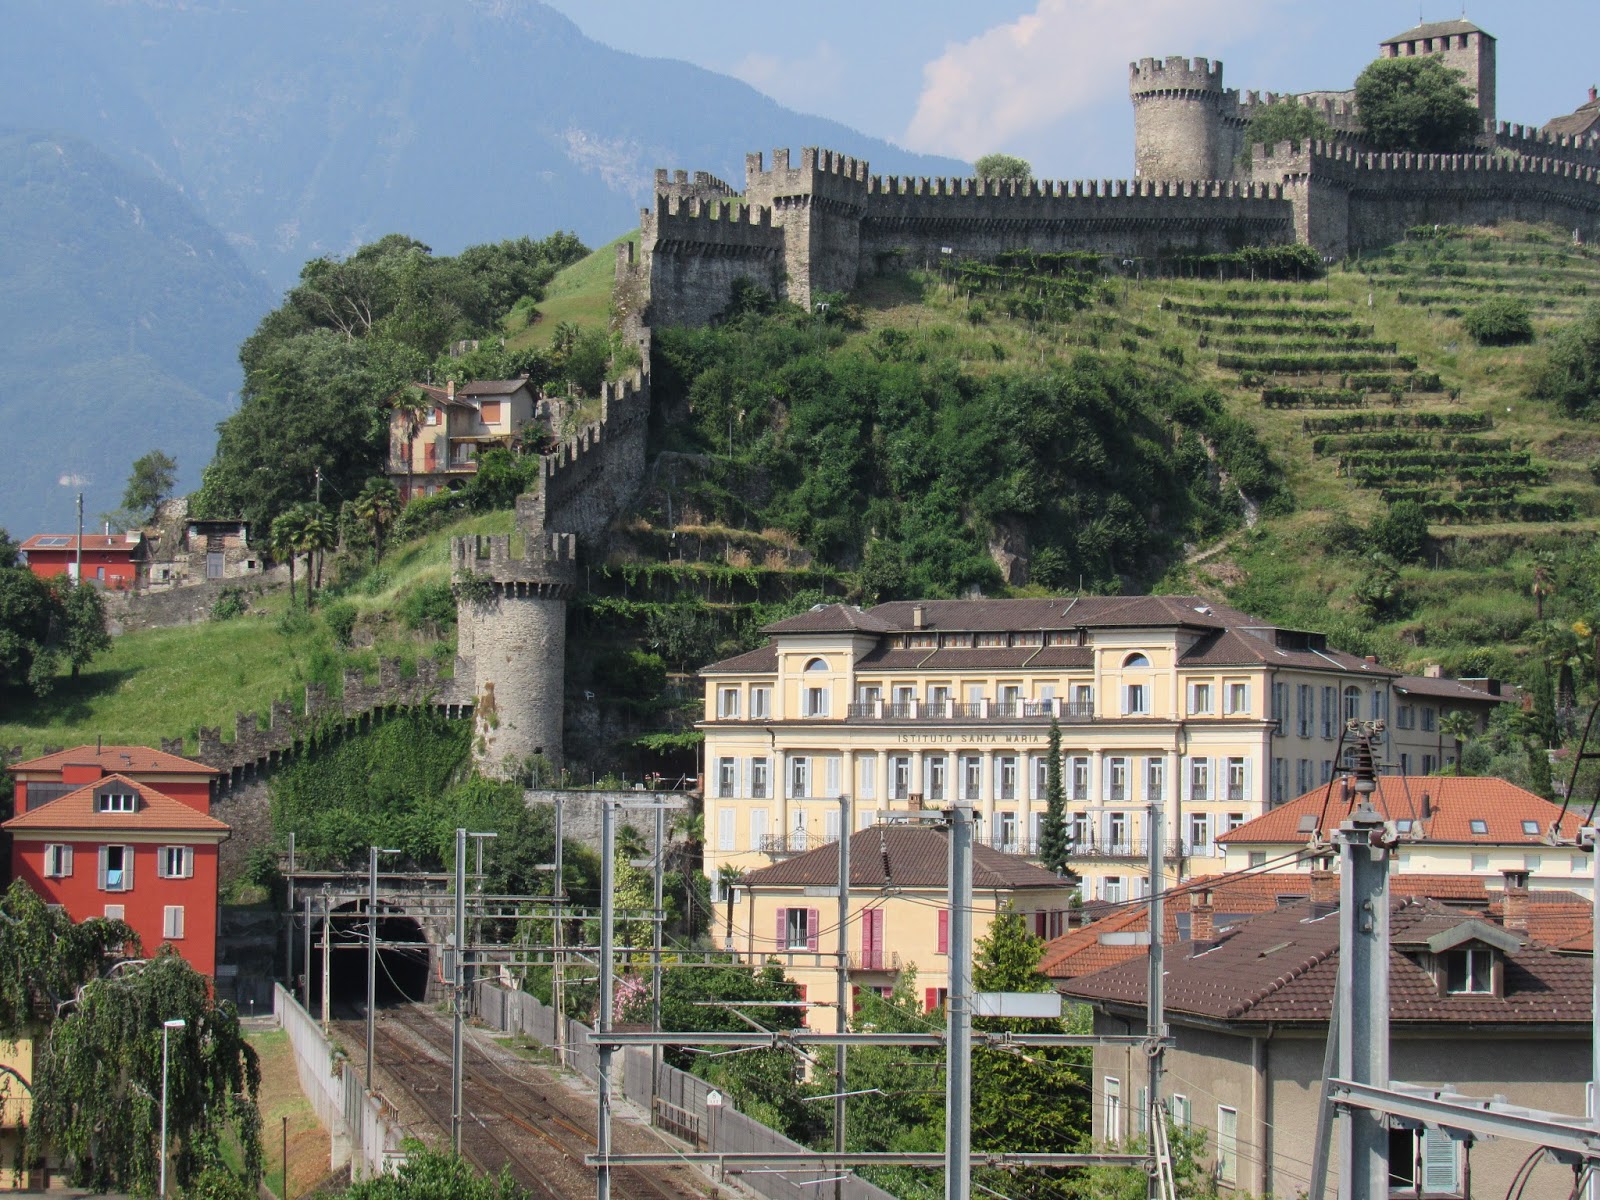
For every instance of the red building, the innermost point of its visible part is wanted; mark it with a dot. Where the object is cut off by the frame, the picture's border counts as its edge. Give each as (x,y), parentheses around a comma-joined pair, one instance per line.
(101,833)
(110,560)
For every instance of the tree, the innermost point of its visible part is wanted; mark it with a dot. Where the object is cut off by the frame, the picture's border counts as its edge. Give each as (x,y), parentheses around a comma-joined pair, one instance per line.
(9,549)
(149,484)
(1003,166)
(1054,849)
(97,1090)
(1401,532)
(320,534)
(28,611)
(1378,590)
(46,956)
(1416,104)
(430,1174)
(1288,121)
(1499,321)
(83,633)
(1570,376)
(1543,580)
(376,507)
(1458,726)
(411,405)
(288,533)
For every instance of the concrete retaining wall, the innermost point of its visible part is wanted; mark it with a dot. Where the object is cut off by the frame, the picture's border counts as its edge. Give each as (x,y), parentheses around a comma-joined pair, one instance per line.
(678,1105)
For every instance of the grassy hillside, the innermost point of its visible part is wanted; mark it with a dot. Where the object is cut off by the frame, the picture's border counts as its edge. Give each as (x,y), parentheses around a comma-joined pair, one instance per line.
(579,295)
(162,683)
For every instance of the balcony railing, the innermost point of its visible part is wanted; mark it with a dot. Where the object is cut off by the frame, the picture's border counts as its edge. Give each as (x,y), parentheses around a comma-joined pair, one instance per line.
(981,710)
(794,843)
(874,960)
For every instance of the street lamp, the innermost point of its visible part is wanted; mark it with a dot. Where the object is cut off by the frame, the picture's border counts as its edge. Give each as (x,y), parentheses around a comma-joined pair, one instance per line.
(166,1028)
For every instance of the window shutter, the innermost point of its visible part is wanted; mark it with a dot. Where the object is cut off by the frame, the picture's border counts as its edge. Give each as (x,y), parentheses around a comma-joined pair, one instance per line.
(1248,793)
(930,999)
(1186,780)
(725,817)
(830,825)
(944,931)
(161,862)
(783,929)
(833,775)
(66,859)
(127,868)
(104,850)
(744,789)
(1439,1173)
(1039,926)
(813,925)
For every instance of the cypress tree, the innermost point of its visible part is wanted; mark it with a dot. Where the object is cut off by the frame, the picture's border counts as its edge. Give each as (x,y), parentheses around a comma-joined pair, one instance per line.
(1054,848)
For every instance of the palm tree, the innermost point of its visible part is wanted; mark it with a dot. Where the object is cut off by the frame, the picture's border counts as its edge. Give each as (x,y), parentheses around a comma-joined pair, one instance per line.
(1460,726)
(376,507)
(1543,579)
(287,535)
(411,405)
(728,876)
(320,534)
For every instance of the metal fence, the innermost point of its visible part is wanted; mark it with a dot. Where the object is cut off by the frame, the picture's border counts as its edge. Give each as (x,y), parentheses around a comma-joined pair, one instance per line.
(677,1104)
(362,1127)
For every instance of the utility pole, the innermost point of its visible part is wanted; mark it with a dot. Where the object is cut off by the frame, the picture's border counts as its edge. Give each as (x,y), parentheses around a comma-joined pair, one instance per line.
(1157,1026)
(288,940)
(77,576)
(608,902)
(558,978)
(655,949)
(1364,1001)
(305,974)
(843,994)
(457,1059)
(372,952)
(958,1009)
(327,945)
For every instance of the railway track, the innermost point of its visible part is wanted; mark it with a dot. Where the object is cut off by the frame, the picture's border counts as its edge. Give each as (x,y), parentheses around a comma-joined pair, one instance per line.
(521,1118)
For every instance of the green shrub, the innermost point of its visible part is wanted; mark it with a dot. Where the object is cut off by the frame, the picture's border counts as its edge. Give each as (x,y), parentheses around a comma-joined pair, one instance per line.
(230,602)
(1499,321)
(341,620)
(428,606)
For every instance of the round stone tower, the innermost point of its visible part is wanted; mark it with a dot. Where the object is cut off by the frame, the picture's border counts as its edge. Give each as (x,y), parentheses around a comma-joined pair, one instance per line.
(512,638)
(1179,119)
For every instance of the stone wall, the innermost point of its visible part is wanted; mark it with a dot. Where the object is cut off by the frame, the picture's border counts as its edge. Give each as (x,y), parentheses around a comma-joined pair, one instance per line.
(692,251)
(184,604)
(593,476)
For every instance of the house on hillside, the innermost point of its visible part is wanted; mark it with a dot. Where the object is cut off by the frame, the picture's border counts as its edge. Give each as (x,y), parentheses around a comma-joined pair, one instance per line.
(1446,824)
(899,917)
(1212,713)
(197,550)
(1582,122)
(1421,702)
(110,560)
(456,425)
(123,832)
(1475,1008)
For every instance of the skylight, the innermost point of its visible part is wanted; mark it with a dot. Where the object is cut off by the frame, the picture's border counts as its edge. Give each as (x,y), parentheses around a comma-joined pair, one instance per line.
(1403,824)
(1531,828)
(1479,825)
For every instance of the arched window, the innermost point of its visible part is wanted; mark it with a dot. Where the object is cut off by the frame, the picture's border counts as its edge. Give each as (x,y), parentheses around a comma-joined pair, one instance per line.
(1352,703)
(817,664)
(1136,660)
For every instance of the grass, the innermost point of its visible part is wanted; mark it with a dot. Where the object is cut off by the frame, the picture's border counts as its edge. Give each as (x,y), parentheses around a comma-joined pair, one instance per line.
(579,294)
(166,683)
(280,1099)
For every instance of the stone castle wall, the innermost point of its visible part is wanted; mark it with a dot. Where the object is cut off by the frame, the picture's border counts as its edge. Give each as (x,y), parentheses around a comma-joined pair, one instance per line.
(593,475)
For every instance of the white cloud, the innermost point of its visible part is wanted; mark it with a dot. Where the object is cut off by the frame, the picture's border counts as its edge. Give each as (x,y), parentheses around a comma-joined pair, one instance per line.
(810,83)
(1066,56)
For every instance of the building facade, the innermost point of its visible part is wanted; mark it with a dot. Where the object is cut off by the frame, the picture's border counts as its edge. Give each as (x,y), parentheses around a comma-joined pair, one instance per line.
(456,424)
(111,560)
(1210,713)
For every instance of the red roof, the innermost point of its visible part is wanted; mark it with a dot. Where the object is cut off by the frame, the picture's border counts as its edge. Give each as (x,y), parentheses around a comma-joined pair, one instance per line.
(117,758)
(1441,808)
(156,813)
(67,543)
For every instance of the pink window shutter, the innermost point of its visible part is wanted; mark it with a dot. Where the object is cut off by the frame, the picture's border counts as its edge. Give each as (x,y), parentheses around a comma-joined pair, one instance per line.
(783,929)
(813,925)
(944,931)
(930,999)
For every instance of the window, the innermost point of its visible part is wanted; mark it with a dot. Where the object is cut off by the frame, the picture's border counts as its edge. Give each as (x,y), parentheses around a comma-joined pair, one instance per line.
(814,701)
(1404,824)
(1531,828)
(116,912)
(1280,705)
(1039,775)
(1200,780)
(971,776)
(899,777)
(57,861)
(1238,698)
(1258,858)
(1083,699)
(1302,776)
(1238,780)
(1405,716)
(939,699)
(797,928)
(758,828)
(1352,704)
(936,770)
(118,802)
(759,771)
(760,703)
(1136,660)
(1235,819)
(1199,699)
(1280,780)
(1328,695)
(1117,780)
(1111,889)
(1136,701)
(1469,972)
(1429,719)
(933,998)
(176,862)
(1305,709)
(817,664)
(1478,825)
(1005,772)
(1227,1144)
(1199,833)
(1117,832)
(1430,1153)
(728,703)
(1080,779)
(1155,773)
(116,868)
(172,922)
(1182,1114)
(1113,1109)
(799,776)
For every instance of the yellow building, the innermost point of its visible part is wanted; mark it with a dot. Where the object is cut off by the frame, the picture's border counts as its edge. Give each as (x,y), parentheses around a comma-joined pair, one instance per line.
(899,918)
(454,425)
(16,1074)
(1211,713)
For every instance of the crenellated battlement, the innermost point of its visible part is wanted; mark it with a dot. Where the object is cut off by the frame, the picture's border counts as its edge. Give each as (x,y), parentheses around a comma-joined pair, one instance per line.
(546,562)
(682,184)
(1530,140)
(1174,74)
(1323,157)
(1065,189)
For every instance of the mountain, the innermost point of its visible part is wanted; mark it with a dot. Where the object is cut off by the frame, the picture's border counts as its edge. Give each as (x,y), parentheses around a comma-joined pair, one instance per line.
(120,320)
(301,128)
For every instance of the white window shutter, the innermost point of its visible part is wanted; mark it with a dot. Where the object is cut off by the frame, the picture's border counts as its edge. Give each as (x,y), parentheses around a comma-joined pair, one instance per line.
(161,862)
(104,851)
(749,769)
(127,868)
(66,859)
(725,817)
(833,774)
(1249,795)
(830,825)
(1439,1163)
(787,767)
(1186,783)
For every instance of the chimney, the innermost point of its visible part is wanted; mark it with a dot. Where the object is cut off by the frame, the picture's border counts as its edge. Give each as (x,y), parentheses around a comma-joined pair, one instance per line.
(1433,671)
(1514,913)
(916,616)
(1594,93)
(1372,660)
(1324,891)
(1202,917)
(450,389)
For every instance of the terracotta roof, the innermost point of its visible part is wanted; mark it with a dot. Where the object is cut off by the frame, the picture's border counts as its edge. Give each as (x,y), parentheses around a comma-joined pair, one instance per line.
(1449,689)
(1233,897)
(67,543)
(829,618)
(1434,29)
(917,858)
(764,658)
(441,396)
(117,758)
(492,387)
(156,813)
(1282,966)
(1452,803)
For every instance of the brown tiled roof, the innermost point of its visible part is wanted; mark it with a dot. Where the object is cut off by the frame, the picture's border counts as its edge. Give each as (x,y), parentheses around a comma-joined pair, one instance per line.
(491,387)
(958,658)
(117,758)
(1453,802)
(1433,29)
(917,858)
(1228,648)
(1282,966)
(830,618)
(763,658)
(1447,689)
(157,813)
(441,396)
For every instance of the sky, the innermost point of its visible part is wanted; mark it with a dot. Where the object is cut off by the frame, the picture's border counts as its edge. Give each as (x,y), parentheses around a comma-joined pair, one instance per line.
(1048,79)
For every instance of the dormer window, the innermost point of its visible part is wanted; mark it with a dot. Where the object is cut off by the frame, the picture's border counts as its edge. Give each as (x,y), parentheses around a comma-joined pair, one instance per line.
(1136,660)
(1469,971)
(118,802)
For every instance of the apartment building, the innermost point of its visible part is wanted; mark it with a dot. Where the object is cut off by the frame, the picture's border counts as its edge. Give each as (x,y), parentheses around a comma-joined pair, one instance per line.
(1209,712)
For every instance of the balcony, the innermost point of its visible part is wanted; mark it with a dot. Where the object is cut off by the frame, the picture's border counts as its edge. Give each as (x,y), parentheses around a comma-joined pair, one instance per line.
(781,844)
(875,960)
(950,711)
